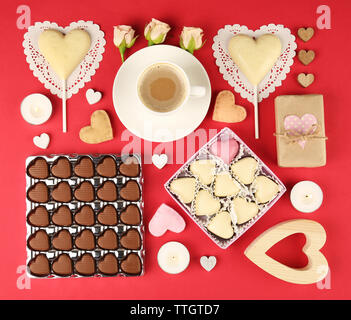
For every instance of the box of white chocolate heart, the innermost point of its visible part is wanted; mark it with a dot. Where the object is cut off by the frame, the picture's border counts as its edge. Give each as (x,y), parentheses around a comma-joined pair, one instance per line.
(225,188)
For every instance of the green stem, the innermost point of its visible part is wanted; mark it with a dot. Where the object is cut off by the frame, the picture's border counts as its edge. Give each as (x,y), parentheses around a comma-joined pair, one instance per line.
(122,49)
(150,43)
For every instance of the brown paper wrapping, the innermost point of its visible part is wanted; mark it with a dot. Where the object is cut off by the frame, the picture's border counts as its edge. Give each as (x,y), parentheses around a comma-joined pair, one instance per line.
(289,153)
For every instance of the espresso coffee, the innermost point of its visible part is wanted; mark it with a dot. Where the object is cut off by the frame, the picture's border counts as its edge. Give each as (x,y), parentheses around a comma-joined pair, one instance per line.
(162,87)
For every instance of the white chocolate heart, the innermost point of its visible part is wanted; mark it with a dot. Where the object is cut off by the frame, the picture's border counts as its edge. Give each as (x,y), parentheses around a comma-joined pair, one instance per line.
(205,204)
(255,57)
(266,189)
(184,188)
(159,160)
(204,170)
(225,185)
(245,169)
(93,96)
(42,141)
(221,225)
(244,210)
(208,263)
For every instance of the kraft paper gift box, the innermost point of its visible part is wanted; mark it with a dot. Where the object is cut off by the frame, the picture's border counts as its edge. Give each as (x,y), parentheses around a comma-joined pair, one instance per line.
(300,130)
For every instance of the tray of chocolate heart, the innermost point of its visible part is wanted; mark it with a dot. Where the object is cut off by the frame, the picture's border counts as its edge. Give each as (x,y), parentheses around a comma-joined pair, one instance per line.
(84,216)
(225,188)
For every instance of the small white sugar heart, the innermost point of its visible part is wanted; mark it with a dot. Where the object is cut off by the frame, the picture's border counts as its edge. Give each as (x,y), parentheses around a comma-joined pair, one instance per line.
(159,160)
(208,263)
(93,96)
(42,141)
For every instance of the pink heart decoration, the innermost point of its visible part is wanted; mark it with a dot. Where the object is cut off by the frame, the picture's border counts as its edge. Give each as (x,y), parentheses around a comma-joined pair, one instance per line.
(225,149)
(300,126)
(165,218)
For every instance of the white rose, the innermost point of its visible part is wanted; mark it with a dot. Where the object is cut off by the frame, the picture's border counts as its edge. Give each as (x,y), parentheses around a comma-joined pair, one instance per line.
(121,33)
(156,31)
(191,39)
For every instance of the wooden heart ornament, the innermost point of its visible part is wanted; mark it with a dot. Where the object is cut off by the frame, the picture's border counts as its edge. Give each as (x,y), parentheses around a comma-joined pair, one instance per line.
(317,267)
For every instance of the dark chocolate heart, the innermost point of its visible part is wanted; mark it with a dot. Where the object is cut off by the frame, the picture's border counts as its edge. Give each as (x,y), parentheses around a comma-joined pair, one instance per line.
(130,167)
(62,265)
(85,240)
(38,217)
(131,215)
(131,240)
(108,240)
(61,168)
(39,266)
(85,216)
(85,192)
(62,192)
(84,168)
(62,216)
(107,167)
(38,168)
(108,215)
(39,193)
(131,264)
(62,240)
(85,265)
(108,264)
(130,191)
(107,191)
(39,241)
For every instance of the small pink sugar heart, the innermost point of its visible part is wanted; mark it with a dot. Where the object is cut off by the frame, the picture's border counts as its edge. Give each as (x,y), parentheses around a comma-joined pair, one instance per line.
(165,218)
(225,149)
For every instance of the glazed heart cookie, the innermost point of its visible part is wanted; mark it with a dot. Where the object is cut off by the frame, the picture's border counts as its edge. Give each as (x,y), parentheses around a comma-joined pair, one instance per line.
(205,204)
(204,170)
(266,189)
(225,186)
(221,225)
(245,169)
(245,210)
(184,188)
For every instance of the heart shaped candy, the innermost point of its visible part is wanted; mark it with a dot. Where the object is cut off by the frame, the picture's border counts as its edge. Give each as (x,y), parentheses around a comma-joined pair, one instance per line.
(38,217)
(226,149)
(244,210)
(38,169)
(131,264)
(225,185)
(61,168)
(42,141)
(62,216)
(84,168)
(39,241)
(266,189)
(85,240)
(107,167)
(108,240)
(159,160)
(93,96)
(62,265)
(245,169)
(208,263)
(205,204)
(39,266)
(38,193)
(131,215)
(130,191)
(131,240)
(184,188)
(166,218)
(108,215)
(107,191)
(85,192)
(85,265)
(204,170)
(62,192)
(85,216)
(221,225)
(108,264)
(62,240)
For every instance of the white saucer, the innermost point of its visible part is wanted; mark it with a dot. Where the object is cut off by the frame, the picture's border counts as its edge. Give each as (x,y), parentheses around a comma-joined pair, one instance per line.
(145,124)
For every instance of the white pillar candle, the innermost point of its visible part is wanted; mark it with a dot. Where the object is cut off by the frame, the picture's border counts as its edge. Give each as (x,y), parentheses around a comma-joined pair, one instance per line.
(306,196)
(173,257)
(36,108)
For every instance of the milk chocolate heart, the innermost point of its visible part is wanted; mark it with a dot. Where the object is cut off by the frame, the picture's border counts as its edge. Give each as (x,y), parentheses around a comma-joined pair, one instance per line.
(131,240)
(305,34)
(38,217)
(131,264)
(108,240)
(38,169)
(84,168)
(130,167)
(108,264)
(85,240)
(61,168)
(39,266)
(62,265)
(107,191)
(130,191)
(85,192)
(108,215)
(131,215)
(39,193)
(62,192)
(62,240)
(85,265)
(306,57)
(62,216)
(305,79)
(107,167)
(39,241)
(85,216)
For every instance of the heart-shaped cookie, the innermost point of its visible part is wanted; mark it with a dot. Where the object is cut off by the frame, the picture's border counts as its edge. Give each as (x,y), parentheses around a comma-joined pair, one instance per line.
(100,129)
(166,218)
(130,191)
(244,210)
(225,185)
(42,141)
(61,168)
(85,216)
(225,109)
(108,240)
(205,204)
(39,241)
(204,170)
(221,225)
(38,217)
(245,169)
(85,192)
(108,264)
(62,216)
(130,167)
(93,96)
(255,57)
(38,193)
(266,189)
(107,167)
(317,267)
(208,263)
(108,215)
(131,215)
(131,240)
(38,169)
(305,34)
(62,192)
(306,57)
(85,265)
(39,266)
(84,168)
(131,264)
(305,79)
(184,188)
(64,52)
(63,265)
(226,149)
(107,191)
(62,240)
(85,240)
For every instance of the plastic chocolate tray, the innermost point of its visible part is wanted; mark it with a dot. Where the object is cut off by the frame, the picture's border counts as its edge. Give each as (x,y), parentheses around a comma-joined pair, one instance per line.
(84,216)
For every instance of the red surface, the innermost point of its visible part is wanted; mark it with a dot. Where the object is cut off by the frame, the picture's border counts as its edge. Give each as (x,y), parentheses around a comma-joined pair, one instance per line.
(234,277)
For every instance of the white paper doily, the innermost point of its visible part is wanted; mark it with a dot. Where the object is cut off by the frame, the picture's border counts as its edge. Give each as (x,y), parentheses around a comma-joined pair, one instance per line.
(84,71)
(236,78)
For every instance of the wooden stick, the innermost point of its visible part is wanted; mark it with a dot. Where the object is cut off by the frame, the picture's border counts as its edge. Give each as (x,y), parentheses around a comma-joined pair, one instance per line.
(64,116)
(257,132)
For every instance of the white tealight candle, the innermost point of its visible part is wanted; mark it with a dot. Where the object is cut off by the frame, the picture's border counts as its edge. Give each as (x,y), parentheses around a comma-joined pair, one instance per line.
(306,196)
(173,257)
(36,108)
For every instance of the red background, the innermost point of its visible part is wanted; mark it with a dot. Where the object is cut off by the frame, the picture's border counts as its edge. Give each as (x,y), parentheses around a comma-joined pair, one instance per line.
(234,277)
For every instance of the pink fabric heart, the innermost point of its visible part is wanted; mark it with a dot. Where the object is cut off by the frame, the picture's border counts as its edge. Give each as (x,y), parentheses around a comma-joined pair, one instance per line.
(225,149)
(300,126)
(165,218)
